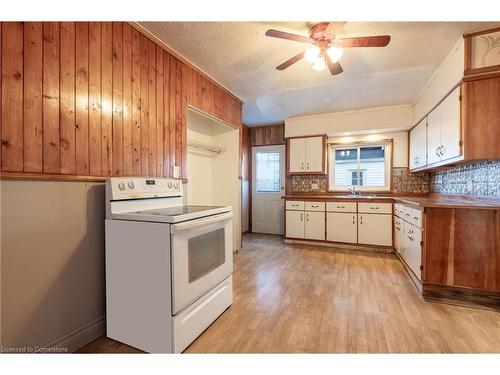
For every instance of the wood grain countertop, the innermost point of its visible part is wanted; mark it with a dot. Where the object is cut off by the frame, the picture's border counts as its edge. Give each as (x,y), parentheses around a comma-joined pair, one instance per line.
(431,200)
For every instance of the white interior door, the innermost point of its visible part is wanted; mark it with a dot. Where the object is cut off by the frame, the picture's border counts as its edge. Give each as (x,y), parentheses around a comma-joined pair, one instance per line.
(268,188)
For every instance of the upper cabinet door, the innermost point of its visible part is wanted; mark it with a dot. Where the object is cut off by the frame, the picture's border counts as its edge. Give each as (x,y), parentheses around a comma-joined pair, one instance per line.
(314,154)
(450,126)
(418,145)
(434,136)
(297,155)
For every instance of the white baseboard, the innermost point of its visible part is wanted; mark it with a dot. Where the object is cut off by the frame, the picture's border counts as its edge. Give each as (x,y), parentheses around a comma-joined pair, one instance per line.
(79,337)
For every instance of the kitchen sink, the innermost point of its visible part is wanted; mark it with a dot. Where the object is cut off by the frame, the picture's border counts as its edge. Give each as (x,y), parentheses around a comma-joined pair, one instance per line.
(350,196)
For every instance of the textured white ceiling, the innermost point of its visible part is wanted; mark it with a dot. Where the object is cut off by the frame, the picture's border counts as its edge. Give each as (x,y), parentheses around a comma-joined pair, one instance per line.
(242,58)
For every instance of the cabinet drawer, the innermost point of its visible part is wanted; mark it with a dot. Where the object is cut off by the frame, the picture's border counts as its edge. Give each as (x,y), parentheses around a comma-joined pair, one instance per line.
(407,213)
(315,206)
(341,206)
(295,205)
(416,217)
(375,208)
(399,210)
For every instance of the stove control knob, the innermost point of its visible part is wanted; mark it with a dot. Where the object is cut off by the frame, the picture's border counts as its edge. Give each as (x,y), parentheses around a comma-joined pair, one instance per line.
(121,186)
(131,184)
(176,186)
(170,184)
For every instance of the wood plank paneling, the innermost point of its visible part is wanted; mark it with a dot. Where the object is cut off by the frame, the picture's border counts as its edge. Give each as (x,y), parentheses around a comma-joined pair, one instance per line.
(166,115)
(144,106)
(51,162)
(12,96)
(33,113)
(159,111)
(127,100)
(117,99)
(67,102)
(90,99)
(152,107)
(136,103)
(82,98)
(267,135)
(106,97)
(95,135)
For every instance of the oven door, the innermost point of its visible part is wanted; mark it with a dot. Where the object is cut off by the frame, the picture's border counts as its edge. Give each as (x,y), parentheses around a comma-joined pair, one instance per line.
(202,257)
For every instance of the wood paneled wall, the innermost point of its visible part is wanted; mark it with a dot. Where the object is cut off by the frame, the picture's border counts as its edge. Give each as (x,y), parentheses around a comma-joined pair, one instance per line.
(246,153)
(96,99)
(267,135)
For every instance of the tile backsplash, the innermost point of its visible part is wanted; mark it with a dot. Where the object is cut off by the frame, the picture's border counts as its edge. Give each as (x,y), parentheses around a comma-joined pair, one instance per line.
(478,179)
(403,182)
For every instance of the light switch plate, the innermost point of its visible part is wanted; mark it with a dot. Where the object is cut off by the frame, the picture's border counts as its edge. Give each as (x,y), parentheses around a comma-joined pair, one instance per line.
(175,171)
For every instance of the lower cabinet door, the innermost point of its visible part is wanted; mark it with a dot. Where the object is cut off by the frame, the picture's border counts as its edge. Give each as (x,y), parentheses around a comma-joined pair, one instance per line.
(413,253)
(375,229)
(342,227)
(315,225)
(397,234)
(295,224)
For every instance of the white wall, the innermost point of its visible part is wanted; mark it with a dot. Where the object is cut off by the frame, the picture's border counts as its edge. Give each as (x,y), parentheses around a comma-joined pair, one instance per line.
(213,180)
(446,76)
(52,270)
(337,123)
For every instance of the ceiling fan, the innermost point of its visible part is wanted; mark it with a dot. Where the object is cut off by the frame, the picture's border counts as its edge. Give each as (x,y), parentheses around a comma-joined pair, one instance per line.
(325,48)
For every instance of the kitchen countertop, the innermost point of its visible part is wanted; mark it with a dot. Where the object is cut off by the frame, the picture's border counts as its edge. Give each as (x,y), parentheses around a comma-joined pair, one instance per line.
(431,200)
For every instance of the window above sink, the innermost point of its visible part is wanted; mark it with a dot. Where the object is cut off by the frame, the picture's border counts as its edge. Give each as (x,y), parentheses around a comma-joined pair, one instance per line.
(365,165)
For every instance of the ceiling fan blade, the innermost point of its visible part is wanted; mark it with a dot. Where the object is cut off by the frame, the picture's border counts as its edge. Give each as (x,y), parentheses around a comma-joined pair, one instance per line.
(291,61)
(364,41)
(283,35)
(335,68)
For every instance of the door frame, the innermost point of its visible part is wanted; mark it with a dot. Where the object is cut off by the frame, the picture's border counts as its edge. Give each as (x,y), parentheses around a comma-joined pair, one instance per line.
(283,149)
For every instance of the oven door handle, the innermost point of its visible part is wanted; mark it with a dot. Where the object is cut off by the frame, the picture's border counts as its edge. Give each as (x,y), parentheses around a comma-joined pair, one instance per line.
(192,224)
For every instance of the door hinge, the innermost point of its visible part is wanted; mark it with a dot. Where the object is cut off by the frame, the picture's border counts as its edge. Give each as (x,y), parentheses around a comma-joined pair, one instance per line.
(421,243)
(460,97)
(460,143)
(421,268)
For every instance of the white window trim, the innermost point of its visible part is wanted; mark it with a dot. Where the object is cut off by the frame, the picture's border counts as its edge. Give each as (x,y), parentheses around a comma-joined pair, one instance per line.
(388,165)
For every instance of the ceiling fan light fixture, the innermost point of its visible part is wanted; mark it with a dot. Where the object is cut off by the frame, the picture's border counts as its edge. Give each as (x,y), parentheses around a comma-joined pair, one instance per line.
(312,54)
(334,53)
(319,65)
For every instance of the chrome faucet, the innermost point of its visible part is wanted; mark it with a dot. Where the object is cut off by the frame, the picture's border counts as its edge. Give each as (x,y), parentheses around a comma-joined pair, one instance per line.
(352,189)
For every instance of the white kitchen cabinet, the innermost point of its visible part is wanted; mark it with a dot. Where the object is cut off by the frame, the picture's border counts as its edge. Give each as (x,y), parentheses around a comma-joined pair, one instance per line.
(398,234)
(295,224)
(315,225)
(450,126)
(297,154)
(412,249)
(375,229)
(314,154)
(342,227)
(443,130)
(433,135)
(418,145)
(306,155)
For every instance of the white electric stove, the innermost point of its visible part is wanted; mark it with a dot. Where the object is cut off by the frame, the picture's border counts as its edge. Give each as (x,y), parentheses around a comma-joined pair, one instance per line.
(168,265)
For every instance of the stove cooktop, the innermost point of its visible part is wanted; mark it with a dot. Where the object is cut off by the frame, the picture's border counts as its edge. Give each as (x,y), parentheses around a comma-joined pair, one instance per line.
(173,214)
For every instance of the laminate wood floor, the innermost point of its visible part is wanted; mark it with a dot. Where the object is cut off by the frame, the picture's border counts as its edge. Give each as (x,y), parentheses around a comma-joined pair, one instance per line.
(302,298)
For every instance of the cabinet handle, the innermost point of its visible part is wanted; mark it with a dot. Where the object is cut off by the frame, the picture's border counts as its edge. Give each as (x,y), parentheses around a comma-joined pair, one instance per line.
(374,208)
(307,165)
(437,151)
(302,166)
(443,150)
(314,206)
(415,218)
(301,217)
(307,217)
(407,215)
(361,219)
(353,219)
(340,206)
